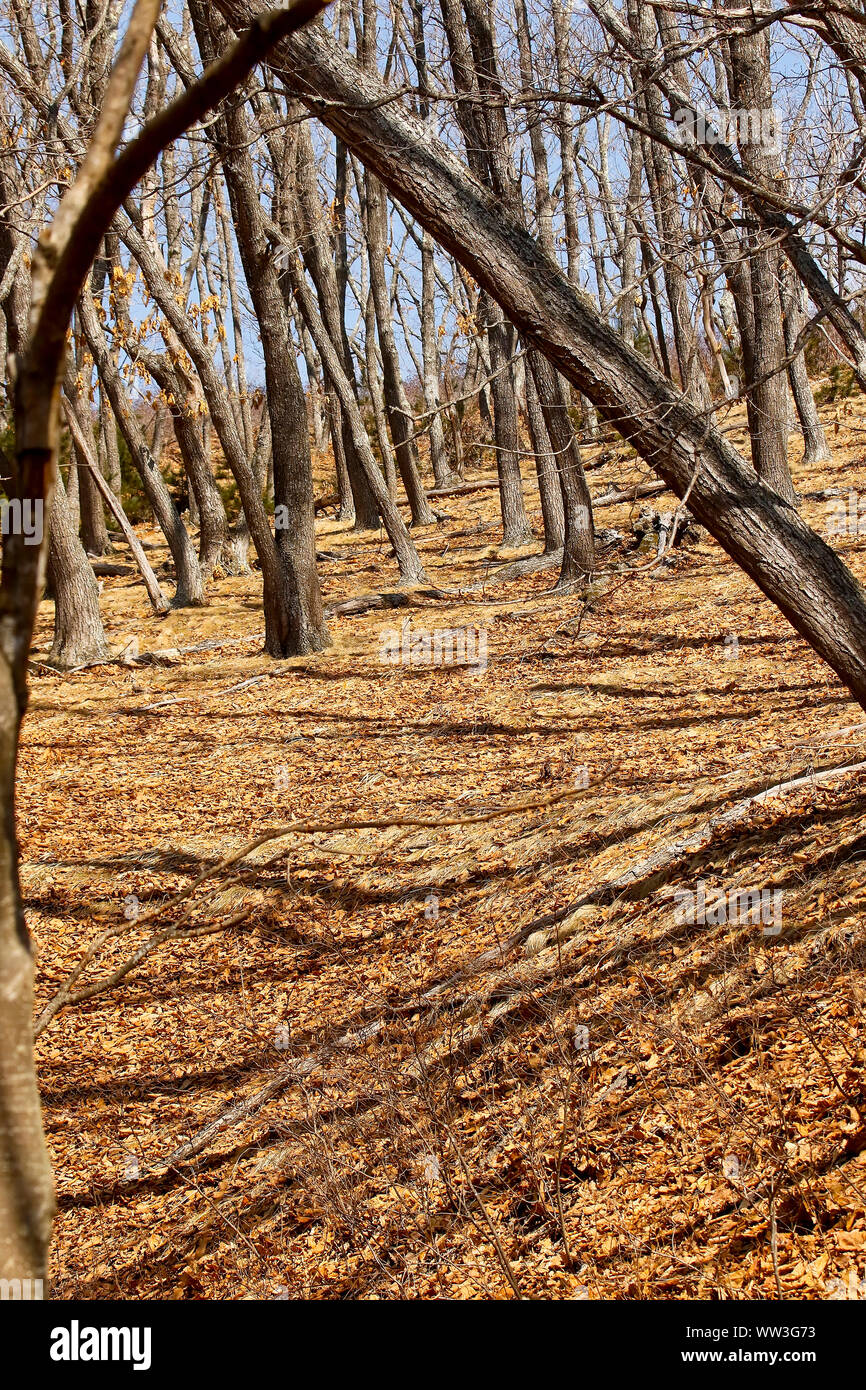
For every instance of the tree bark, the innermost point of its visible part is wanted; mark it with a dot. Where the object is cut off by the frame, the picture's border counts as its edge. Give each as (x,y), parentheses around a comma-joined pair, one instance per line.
(549,489)
(79,637)
(578,556)
(189,589)
(767,390)
(298,602)
(396,401)
(790,563)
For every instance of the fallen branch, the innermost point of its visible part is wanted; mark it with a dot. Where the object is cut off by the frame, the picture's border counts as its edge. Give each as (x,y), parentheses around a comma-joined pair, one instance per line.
(287,1076)
(639,880)
(363,603)
(458,489)
(103,570)
(630,494)
(173,932)
(643,878)
(65,994)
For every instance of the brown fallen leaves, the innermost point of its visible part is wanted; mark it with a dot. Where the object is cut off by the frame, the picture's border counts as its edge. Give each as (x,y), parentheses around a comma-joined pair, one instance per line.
(628,1113)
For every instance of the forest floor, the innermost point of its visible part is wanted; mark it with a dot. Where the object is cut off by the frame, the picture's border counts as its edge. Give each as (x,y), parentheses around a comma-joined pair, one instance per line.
(641,1108)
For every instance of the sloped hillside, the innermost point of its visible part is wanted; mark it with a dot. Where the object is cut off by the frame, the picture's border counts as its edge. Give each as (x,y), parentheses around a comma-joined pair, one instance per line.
(487,1020)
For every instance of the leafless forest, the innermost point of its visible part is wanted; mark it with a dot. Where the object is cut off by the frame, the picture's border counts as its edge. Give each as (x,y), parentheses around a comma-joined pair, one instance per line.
(432,650)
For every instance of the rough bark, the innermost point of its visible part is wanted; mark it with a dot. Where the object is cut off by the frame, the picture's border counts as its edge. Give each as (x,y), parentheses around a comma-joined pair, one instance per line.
(549,489)
(189,590)
(578,556)
(790,563)
(767,389)
(79,638)
(297,604)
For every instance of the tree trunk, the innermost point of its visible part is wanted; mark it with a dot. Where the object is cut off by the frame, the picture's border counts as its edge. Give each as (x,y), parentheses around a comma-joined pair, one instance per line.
(79,637)
(189,590)
(396,401)
(320,261)
(516,530)
(296,611)
(578,556)
(429,341)
(377,397)
(549,488)
(94,532)
(186,419)
(408,559)
(802,575)
(767,390)
(816,450)
(26,1188)
(665,199)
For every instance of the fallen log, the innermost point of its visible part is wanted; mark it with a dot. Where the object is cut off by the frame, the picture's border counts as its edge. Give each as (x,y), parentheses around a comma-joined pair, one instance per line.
(364,603)
(460,488)
(630,494)
(103,570)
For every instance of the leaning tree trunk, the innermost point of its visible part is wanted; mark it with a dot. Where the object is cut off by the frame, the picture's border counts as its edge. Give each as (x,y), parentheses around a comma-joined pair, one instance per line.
(792,565)
(189,591)
(72,407)
(408,559)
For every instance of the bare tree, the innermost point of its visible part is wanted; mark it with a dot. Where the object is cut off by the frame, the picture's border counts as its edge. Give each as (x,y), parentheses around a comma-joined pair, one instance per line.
(63,255)
(791,564)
